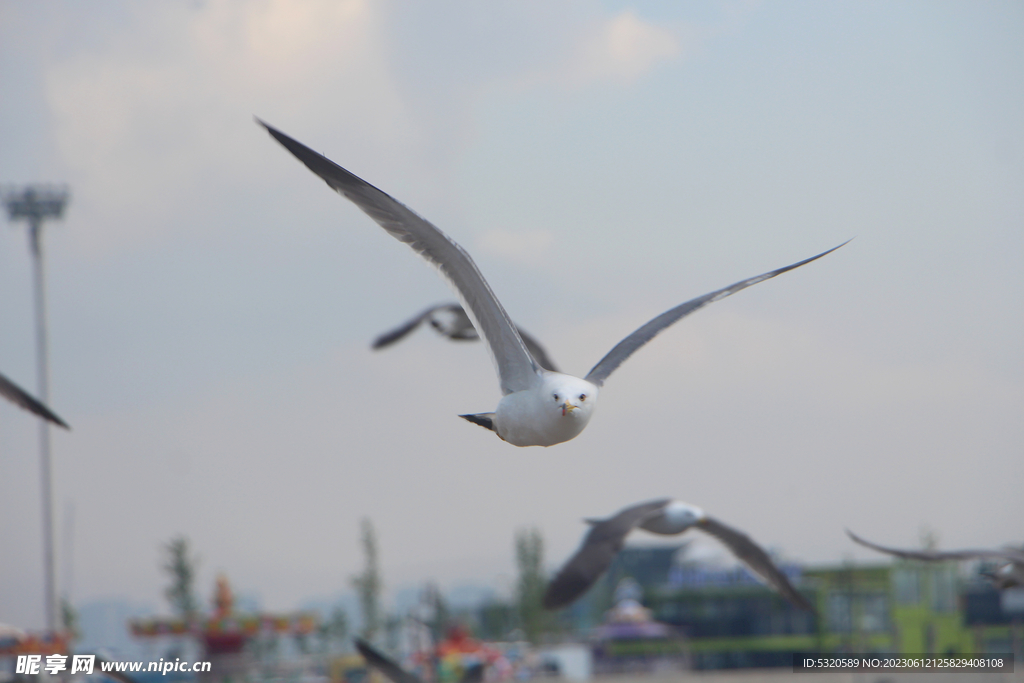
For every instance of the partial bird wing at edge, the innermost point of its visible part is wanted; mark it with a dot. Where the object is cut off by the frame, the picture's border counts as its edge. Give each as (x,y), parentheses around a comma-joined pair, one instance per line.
(628,346)
(756,559)
(384,664)
(516,368)
(23,399)
(937,555)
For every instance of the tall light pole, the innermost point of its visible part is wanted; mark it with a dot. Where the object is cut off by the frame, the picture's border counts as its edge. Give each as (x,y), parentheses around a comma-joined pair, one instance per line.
(35,204)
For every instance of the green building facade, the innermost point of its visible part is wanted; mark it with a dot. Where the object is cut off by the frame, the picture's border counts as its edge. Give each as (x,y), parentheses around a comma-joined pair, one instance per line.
(728,620)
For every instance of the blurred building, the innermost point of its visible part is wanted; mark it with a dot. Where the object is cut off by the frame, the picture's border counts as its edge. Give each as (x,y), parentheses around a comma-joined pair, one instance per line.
(728,619)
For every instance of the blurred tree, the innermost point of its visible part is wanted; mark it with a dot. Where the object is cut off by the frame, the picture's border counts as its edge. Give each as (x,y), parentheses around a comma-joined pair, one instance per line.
(530,586)
(181,567)
(496,620)
(369,584)
(929,537)
(436,613)
(392,630)
(69,619)
(334,630)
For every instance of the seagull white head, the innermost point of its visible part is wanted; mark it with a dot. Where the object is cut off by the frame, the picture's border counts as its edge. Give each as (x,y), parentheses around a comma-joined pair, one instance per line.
(574,397)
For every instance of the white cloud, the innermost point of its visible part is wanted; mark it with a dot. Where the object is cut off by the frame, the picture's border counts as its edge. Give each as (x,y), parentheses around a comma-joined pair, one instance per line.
(526,247)
(161,108)
(621,48)
(150,112)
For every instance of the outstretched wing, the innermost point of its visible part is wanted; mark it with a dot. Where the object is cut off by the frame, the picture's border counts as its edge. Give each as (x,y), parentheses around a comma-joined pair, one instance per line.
(756,558)
(600,546)
(1007,555)
(516,368)
(469,334)
(628,346)
(392,336)
(22,398)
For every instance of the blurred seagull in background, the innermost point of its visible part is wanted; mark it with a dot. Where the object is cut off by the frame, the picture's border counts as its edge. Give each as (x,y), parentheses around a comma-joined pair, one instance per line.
(538,407)
(384,664)
(1008,575)
(378,660)
(666,517)
(451,321)
(22,398)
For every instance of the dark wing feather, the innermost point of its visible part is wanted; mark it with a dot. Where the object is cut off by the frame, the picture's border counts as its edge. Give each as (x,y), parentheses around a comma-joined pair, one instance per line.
(22,398)
(538,352)
(600,546)
(384,664)
(389,338)
(628,346)
(516,368)
(1008,555)
(756,558)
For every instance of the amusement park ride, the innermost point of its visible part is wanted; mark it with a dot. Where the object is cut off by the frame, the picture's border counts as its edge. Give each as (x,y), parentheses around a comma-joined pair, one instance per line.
(225,632)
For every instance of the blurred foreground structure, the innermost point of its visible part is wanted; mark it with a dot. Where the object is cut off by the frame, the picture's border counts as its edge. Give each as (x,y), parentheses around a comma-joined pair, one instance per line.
(233,643)
(654,613)
(724,618)
(35,204)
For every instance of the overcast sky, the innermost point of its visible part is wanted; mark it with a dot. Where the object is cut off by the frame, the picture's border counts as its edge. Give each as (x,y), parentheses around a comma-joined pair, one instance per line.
(211,302)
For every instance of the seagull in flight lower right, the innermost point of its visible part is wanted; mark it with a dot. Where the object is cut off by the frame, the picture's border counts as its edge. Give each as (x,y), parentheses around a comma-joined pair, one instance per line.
(1010,574)
(665,517)
(538,407)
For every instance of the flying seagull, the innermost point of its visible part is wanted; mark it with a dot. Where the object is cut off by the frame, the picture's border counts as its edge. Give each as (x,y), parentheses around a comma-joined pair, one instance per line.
(20,397)
(388,667)
(666,517)
(457,326)
(538,407)
(1008,575)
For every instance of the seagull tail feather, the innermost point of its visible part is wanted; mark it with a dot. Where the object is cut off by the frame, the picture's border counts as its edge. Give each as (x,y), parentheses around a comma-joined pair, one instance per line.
(485,420)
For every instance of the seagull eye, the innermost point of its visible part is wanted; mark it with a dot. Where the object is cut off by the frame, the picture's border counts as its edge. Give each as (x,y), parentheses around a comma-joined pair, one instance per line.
(556,397)
(583,397)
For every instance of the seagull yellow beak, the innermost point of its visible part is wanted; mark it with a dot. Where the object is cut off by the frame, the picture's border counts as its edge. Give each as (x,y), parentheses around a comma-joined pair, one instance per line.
(568,408)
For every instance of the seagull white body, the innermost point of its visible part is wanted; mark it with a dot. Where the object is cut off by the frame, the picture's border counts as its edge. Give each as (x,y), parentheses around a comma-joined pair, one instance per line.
(539,407)
(554,410)
(674,518)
